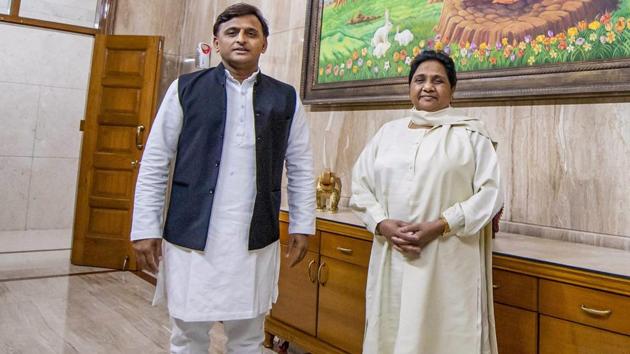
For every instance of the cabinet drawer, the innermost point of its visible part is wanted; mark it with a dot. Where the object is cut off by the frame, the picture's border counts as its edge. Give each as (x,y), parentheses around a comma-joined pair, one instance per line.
(515,289)
(587,306)
(564,337)
(345,248)
(313,241)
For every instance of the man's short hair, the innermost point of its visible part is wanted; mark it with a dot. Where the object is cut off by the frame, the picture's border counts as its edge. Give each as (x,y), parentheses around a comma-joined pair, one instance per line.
(438,56)
(238,10)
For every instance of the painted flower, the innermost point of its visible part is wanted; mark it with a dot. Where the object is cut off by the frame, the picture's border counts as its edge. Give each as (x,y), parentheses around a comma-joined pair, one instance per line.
(628,23)
(592,37)
(620,25)
(349,63)
(531,60)
(360,62)
(430,43)
(540,38)
(561,36)
(408,60)
(498,46)
(415,51)
(341,72)
(549,33)
(522,45)
(594,26)
(463,52)
(364,52)
(467,45)
(403,54)
(587,47)
(421,44)
(520,53)
(355,55)
(528,38)
(447,50)
(512,57)
(610,37)
(396,57)
(336,70)
(572,31)
(369,63)
(439,45)
(570,48)
(400,69)
(355,69)
(553,54)
(605,18)
(582,25)
(602,39)
(608,26)
(504,41)
(386,65)
(580,41)
(321,71)
(342,66)
(562,45)
(493,61)
(375,70)
(328,69)
(464,61)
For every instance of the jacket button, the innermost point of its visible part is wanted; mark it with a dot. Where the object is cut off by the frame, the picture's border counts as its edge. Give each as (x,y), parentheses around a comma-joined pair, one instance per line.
(211,191)
(217,164)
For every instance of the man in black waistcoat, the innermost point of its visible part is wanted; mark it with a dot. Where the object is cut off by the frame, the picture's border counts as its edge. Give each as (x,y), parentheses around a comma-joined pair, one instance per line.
(229,131)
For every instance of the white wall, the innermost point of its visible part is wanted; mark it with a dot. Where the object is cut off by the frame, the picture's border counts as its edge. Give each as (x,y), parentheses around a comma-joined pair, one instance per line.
(43,87)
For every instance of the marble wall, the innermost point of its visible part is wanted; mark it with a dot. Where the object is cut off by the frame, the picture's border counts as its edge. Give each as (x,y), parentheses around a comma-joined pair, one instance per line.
(43,79)
(564,164)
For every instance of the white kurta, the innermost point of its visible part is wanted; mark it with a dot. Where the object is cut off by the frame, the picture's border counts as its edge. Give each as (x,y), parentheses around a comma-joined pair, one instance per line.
(226,281)
(436,303)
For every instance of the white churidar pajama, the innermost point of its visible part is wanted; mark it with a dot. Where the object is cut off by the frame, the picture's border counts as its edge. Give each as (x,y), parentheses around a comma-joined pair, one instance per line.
(437,303)
(225,282)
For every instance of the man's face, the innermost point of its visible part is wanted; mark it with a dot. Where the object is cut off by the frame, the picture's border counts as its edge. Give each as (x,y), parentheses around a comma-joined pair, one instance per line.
(240,42)
(430,89)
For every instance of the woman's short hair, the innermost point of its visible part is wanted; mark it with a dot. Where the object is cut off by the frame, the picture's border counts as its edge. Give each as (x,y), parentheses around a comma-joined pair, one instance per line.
(238,10)
(439,56)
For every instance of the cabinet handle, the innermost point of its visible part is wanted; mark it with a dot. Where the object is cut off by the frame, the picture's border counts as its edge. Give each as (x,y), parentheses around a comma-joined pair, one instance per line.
(343,250)
(139,130)
(594,312)
(310,276)
(321,281)
(495,286)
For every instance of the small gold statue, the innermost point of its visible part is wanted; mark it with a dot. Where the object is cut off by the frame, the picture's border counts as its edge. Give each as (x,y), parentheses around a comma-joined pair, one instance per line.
(328,188)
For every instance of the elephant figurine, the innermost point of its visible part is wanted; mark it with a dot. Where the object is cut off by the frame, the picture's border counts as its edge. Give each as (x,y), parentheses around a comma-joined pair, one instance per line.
(328,189)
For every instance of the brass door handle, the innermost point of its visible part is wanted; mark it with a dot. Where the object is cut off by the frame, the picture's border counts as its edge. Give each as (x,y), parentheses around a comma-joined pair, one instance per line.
(594,312)
(139,131)
(321,281)
(310,276)
(495,286)
(343,250)
(134,164)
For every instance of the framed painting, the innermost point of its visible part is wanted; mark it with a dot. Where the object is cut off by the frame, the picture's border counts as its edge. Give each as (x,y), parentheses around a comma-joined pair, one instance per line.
(359,51)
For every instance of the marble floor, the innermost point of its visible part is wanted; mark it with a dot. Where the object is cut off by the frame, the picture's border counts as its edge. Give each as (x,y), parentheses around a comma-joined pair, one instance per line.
(48,305)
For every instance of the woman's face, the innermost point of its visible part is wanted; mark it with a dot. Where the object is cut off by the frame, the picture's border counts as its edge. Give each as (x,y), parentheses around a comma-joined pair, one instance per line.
(430,89)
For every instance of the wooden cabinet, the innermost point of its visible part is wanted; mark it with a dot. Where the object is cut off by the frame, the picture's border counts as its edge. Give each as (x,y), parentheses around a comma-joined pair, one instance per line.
(539,307)
(515,306)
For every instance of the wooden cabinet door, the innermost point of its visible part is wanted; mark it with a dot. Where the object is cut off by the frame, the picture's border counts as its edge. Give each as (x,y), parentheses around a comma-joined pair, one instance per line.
(297,297)
(517,330)
(341,314)
(120,109)
(564,337)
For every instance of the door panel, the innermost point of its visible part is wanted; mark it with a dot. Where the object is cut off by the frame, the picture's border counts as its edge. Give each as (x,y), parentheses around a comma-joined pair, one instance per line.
(120,108)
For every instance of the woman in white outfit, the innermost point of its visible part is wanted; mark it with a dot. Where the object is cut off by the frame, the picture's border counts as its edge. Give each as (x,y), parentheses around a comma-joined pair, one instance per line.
(427,186)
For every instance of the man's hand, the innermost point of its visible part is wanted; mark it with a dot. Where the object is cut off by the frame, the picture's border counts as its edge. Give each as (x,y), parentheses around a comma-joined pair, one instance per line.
(298,245)
(148,252)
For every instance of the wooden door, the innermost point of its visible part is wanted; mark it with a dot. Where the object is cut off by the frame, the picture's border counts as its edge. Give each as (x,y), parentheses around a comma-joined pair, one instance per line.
(297,287)
(517,330)
(341,310)
(121,105)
